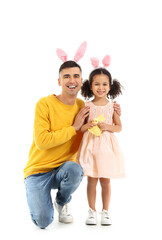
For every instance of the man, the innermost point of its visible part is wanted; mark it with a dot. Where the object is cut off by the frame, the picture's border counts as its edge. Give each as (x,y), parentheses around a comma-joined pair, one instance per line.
(56,139)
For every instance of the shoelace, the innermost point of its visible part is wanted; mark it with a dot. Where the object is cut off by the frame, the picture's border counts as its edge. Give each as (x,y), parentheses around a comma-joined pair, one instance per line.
(105,214)
(66,209)
(91,213)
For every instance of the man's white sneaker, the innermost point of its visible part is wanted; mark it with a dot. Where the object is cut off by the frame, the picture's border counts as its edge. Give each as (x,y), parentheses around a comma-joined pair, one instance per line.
(92,217)
(105,218)
(64,213)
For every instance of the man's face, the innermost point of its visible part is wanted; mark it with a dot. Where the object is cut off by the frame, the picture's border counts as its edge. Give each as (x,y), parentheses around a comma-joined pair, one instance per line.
(70,80)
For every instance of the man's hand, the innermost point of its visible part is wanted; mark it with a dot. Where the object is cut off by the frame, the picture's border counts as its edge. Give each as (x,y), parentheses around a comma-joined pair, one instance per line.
(117,108)
(80,117)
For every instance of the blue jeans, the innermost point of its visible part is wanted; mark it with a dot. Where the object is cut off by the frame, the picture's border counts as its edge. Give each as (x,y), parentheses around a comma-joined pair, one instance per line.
(65,178)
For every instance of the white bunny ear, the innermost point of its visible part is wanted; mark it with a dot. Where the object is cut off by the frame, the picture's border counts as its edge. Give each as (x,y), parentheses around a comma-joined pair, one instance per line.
(106,60)
(61,54)
(80,52)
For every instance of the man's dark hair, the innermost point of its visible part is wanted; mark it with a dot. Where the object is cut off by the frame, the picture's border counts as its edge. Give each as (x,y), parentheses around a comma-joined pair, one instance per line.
(69,64)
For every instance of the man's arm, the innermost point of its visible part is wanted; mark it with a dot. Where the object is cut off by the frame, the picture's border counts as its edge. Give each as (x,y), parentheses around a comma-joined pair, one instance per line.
(45,138)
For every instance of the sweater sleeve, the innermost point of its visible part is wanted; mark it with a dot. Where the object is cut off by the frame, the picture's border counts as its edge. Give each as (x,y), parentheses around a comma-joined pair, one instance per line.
(44,138)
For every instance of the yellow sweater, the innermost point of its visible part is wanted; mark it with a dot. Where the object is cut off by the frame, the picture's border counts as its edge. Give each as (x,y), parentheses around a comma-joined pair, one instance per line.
(55,140)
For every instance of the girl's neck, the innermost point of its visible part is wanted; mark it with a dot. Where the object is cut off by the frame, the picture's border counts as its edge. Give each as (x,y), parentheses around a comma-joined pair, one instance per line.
(100,101)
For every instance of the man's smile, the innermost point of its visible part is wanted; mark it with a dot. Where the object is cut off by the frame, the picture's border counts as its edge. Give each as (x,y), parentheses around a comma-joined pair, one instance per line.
(72,86)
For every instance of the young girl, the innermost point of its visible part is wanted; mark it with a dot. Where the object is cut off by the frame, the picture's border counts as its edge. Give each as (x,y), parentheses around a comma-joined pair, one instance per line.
(100,156)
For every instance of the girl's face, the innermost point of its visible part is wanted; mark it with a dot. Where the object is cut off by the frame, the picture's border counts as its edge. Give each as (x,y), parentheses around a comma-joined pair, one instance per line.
(100,85)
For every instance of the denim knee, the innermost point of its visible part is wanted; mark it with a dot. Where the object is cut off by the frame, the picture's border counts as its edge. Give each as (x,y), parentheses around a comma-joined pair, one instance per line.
(75,172)
(42,220)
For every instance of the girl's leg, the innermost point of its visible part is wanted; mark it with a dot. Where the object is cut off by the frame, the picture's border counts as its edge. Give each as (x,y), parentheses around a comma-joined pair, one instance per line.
(106,192)
(91,192)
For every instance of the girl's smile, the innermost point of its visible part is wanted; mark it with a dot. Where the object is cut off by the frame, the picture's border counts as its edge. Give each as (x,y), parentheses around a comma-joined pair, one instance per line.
(100,92)
(100,85)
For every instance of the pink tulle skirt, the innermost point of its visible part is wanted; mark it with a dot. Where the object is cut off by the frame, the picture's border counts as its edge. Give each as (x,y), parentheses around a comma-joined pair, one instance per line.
(101,157)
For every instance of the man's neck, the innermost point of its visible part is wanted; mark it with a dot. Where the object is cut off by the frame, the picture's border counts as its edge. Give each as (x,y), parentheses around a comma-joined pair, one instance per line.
(66,100)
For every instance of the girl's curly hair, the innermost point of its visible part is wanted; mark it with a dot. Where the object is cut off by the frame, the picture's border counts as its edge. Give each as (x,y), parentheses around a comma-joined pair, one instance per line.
(115,86)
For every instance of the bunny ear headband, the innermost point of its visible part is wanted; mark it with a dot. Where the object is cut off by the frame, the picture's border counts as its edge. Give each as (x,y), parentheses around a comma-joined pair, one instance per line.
(106,61)
(78,55)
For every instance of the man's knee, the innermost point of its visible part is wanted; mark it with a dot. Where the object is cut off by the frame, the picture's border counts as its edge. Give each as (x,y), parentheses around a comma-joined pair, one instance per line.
(75,172)
(42,220)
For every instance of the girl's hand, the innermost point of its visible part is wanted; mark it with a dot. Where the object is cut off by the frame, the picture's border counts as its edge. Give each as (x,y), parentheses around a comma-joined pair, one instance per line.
(103,126)
(117,108)
(86,126)
(90,125)
(116,127)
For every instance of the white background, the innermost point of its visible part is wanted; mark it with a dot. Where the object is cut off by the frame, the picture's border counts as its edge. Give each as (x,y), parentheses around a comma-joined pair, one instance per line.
(130,31)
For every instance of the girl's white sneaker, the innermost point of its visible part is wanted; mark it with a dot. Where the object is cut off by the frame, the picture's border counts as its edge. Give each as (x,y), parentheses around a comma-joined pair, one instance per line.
(105,218)
(92,217)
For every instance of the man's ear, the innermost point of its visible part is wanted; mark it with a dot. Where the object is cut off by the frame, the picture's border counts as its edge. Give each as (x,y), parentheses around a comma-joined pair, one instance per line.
(59,81)
(81,81)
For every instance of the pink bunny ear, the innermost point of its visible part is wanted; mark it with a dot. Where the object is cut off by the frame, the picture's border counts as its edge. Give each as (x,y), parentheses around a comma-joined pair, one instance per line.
(80,52)
(95,62)
(61,54)
(106,60)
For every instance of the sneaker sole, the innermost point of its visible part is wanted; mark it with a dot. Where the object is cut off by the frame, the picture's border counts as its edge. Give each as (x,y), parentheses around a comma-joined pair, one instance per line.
(93,224)
(90,223)
(106,224)
(65,221)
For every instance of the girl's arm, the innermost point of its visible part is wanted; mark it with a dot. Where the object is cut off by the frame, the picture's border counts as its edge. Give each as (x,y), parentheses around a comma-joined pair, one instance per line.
(86,126)
(117,127)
